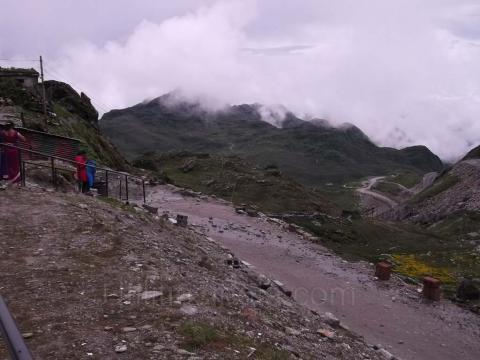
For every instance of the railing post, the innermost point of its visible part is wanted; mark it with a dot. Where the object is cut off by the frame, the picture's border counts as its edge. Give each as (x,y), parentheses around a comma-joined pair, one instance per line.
(106,183)
(22,176)
(143,189)
(54,179)
(22,169)
(11,335)
(126,186)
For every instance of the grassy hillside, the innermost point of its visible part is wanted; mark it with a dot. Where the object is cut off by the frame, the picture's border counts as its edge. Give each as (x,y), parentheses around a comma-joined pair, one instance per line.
(313,153)
(236,180)
(74,117)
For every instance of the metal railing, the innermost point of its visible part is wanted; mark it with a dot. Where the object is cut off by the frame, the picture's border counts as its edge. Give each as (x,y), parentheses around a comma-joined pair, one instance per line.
(109,183)
(13,338)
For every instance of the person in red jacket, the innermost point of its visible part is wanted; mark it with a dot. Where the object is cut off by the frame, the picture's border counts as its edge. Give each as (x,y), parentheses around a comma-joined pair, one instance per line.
(10,136)
(82,178)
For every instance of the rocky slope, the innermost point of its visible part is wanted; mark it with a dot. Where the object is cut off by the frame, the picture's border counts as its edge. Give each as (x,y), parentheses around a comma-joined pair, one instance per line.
(453,193)
(313,153)
(70,114)
(90,279)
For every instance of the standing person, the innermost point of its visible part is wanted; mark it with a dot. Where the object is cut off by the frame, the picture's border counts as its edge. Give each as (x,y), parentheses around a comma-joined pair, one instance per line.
(82,178)
(2,161)
(91,171)
(11,156)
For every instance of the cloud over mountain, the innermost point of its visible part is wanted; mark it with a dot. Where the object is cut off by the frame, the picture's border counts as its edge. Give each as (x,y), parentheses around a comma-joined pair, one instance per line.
(406,72)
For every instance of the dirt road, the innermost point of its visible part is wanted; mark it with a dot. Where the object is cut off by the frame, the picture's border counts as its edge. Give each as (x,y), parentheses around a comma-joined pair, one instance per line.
(391,314)
(366,190)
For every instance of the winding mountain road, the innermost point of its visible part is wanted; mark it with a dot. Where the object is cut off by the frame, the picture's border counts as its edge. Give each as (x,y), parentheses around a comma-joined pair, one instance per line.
(366,189)
(392,314)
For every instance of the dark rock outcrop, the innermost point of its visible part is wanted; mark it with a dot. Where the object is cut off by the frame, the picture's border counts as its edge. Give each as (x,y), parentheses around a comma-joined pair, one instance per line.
(66,96)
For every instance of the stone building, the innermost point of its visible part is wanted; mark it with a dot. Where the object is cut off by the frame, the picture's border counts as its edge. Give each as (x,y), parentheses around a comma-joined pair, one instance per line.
(27,77)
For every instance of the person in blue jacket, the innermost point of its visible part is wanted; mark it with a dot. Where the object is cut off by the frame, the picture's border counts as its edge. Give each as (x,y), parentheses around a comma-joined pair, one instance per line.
(91,171)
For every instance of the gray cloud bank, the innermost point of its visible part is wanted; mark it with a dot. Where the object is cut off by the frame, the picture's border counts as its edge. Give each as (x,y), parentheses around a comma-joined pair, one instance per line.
(406,72)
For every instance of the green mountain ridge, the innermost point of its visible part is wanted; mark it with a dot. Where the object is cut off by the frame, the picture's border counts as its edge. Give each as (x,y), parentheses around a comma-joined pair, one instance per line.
(312,152)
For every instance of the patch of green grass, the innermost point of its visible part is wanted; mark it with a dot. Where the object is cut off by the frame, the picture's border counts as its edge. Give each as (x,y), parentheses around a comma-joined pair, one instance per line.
(388,188)
(407,178)
(93,142)
(198,334)
(236,180)
(458,226)
(441,185)
(439,251)
(344,197)
(201,335)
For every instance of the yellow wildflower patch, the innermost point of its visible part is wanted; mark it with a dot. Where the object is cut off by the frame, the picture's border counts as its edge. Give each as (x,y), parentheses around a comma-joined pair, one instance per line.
(411,265)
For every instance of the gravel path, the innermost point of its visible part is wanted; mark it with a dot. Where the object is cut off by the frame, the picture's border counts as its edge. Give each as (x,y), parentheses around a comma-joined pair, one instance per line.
(391,314)
(366,189)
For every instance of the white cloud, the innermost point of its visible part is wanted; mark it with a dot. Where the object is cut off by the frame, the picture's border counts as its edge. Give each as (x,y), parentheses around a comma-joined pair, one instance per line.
(406,72)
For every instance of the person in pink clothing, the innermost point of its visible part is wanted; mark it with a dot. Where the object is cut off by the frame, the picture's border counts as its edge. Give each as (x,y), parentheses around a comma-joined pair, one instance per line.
(10,136)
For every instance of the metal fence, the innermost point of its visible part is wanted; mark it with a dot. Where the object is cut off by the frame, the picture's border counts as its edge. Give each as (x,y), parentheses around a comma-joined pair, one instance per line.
(61,173)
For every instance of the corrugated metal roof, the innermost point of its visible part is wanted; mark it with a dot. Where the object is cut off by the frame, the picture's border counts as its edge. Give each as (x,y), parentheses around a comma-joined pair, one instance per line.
(50,144)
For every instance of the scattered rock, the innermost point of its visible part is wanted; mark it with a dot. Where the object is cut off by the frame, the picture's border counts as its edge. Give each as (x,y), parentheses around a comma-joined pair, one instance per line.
(128,329)
(326,333)
(184,352)
(263,282)
(292,332)
(121,348)
(151,209)
(189,310)
(331,320)
(185,297)
(27,335)
(387,355)
(282,288)
(252,295)
(149,295)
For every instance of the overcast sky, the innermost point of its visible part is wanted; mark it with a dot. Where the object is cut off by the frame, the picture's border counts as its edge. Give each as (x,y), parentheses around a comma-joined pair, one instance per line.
(405,71)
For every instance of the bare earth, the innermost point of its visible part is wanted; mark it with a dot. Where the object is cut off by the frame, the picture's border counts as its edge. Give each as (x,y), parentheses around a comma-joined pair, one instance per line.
(87,279)
(392,314)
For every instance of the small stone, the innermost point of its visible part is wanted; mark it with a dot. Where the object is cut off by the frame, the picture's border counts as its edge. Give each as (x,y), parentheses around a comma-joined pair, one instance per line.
(185,297)
(108,328)
(121,348)
(189,310)
(252,295)
(27,335)
(158,348)
(387,355)
(128,329)
(291,331)
(263,282)
(331,319)
(184,352)
(149,295)
(326,333)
